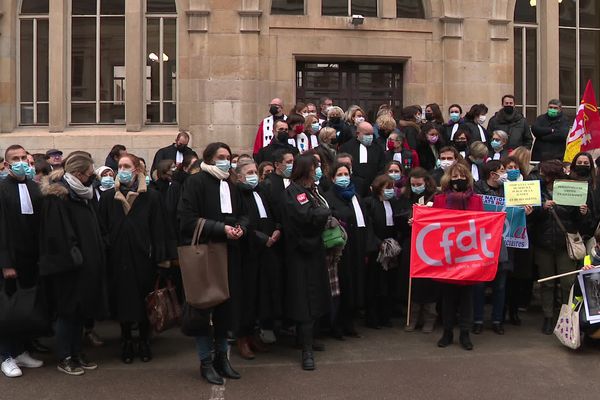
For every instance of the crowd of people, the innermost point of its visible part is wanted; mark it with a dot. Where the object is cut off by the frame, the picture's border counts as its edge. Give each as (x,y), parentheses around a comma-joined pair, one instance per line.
(96,238)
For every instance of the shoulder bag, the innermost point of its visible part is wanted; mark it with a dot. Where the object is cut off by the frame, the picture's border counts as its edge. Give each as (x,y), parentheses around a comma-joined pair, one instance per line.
(162,307)
(575,245)
(567,327)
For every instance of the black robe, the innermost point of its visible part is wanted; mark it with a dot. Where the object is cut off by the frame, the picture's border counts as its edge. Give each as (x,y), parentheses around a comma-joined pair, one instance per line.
(201,199)
(308,295)
(79,292)
(352,268)
(137,241)
(375,161)
(169,153)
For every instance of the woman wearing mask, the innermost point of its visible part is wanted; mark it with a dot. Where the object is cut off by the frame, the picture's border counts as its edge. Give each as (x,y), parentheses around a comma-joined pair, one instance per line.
(498,143)
(386,125)
(134,221)
(461,141)
(335,120)
(347,206)
(410,124)
(430,143)
(478,156)
(451,128)
(381,288)
(355,115)
(211,195)
(474,121)
(311,129)
(398,150)
(433,115)
(395,171)
(164,176)
(308,295)
(76,285)
(425,292)
(105,180)
(265,169)
(457,298)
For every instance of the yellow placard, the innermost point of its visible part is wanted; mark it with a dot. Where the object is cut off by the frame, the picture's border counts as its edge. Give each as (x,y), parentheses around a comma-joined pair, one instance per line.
(525,193)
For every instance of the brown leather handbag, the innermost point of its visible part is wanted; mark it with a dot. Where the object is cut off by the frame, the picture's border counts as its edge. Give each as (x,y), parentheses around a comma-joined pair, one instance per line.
(204,271)
(162,307)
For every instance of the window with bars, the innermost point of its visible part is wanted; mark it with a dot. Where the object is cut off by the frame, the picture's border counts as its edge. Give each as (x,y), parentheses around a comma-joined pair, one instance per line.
(526,60)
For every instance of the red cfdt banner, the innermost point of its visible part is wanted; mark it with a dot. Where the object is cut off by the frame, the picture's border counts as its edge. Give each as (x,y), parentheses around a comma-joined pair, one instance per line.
(455,245)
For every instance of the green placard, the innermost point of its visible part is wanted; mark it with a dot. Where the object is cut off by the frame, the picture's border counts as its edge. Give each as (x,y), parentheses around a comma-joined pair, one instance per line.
(570,193)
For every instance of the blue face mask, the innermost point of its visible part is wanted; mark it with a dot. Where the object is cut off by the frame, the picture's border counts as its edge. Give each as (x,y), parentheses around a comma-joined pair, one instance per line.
(251,181)
(315,127)
(318,174)
(147,180)
(454,117)
(342,181)
(125,176)
(395,176)
(367,140)
(223,165)
(388,194)
(513,174)
(30,172)
(19,168)
(233,165)
(287,172)
(3,174)
(496,144)
(107,182)
(418,189)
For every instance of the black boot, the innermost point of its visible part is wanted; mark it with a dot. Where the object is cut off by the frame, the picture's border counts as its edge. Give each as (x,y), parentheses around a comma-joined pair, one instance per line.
(223,366)
(145,352)
(447,339)
(308,360)
(208,372)
(513,315)
(127,352)
(548,327)
(465,340)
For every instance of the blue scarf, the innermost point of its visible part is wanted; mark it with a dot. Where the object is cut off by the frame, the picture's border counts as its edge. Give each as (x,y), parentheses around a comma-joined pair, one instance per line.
(347,193)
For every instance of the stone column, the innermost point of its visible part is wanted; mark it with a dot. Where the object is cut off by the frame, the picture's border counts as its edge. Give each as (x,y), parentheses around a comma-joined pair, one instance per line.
(134,65)
(57,80)
(8,67)
(549,54)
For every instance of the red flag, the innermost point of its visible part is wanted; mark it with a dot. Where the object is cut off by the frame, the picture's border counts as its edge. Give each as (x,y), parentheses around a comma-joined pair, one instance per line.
(455,245)
(585,133)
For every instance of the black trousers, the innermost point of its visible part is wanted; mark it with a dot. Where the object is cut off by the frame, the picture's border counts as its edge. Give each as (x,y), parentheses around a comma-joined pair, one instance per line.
(457,299)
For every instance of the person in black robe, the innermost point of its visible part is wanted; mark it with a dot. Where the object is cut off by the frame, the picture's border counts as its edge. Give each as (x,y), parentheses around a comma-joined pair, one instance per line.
(20,203)
(134,222)
(72,258)
(176,152)
(261,268)
(308,295)
(347,206)
(205,196)
(112,159)
(279,143)
(382,209)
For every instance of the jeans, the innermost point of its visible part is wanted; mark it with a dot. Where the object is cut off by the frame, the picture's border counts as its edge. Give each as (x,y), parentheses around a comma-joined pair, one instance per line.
(11,347)
(205,346)
(498,296)
(69,335)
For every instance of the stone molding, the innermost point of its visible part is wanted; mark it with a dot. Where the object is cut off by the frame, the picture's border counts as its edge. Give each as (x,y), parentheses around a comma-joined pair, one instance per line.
(197,20)
(250,20)
(452,27)
(499,29)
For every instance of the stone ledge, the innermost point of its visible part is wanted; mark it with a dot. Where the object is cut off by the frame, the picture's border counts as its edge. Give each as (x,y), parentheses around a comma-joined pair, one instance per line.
(197,20)
(249,20)
(499,29)
(452,27)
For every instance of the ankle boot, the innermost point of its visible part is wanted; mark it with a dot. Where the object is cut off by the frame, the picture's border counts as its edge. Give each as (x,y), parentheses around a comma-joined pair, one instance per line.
(446,339)
(144,351)
(308,360)
(548,327)
(429,317)
(208,372)
(127,352)
(415,311)
(244,348)
(465,340)
(223,366)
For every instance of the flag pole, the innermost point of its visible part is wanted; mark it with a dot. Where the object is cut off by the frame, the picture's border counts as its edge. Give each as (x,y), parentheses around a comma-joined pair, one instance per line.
(558,276)
(409,301)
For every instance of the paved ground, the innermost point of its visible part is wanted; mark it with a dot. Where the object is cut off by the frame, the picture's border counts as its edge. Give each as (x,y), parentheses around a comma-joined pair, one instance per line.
(386,364)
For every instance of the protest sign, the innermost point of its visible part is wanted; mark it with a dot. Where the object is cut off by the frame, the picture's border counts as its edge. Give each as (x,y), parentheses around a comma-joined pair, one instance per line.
(570,193)
(515,225)
(589,282)
(524,193)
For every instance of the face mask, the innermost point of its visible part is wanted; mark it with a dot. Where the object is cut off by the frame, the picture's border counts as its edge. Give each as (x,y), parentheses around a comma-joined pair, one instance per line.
(318,174)
(432,139)
(503,177)
(391,145)
(30,172)
(429,116)
(283,136)
(553,113)
(233,165)
(335,120)
(273,110)
(460,146)
(513,174)
(395,176)
(418,189)
(305,114)
(181,148)
(358,120)
(445,164)
(299,129)
(287,172)
(147,180)
(496,144)
(477,161)
(19,168)
(454,117)
(388,194)
(315,127)
(482,118)
(342,181)
(508,109)
(460,185)
(107,182)
(3,174)
(582,170)
(223,165)
(125,176)
(367,140)
(89,182)
(251,181)
(418,118)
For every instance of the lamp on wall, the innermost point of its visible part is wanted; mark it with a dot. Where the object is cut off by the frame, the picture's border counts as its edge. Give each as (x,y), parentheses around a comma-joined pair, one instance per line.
(154,57)
(532,3)
(357,20)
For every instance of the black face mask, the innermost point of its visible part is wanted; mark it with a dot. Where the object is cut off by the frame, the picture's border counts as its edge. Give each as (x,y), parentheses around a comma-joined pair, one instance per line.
(274,110)
(181,147)
(460,146)
(460,185)
(429,116)
(283,136)
(582,170)
(89,182)
(335,120)
(508,109)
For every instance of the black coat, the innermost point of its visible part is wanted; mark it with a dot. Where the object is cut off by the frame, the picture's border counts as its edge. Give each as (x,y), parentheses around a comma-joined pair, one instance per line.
(169,153)
(474,131)
(515,125)
(343,131)
(427,158)
(137,242)
(273,188)
(352,268)
(375,160)
(266,153)
(78,292)
(550,137)
(411,131)
(449,127)
(201,199)
(307,293)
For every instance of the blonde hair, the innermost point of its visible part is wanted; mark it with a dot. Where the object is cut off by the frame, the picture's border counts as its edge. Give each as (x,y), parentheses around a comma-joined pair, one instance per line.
(386,122)
(523,156)
(335,109)
(78,162)
(324,133)
(461,168)
(478,150)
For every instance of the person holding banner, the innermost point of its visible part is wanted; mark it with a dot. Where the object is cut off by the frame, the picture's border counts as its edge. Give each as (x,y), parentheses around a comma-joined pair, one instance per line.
(457,194)
(583,169)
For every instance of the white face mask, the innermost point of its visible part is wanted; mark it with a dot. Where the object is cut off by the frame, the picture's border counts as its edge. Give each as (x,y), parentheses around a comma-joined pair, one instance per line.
(445,164)
(482,118)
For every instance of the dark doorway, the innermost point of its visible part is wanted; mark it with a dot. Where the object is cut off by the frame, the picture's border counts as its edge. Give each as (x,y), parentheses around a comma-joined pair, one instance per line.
(367,84)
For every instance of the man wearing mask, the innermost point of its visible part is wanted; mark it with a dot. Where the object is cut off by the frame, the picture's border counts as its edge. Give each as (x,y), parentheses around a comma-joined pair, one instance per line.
(325,104)
(176,152)
(551,130)
(281,141)
(20,202)
(448,157)
(512,122)
(266,129)
(368,159)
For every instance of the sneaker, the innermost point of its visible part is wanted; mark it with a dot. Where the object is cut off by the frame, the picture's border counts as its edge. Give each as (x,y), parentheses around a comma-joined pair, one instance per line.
(26,361)
(11,369)
(83,362)
(267,336)
(93,339)
(69,367)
